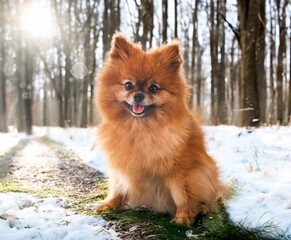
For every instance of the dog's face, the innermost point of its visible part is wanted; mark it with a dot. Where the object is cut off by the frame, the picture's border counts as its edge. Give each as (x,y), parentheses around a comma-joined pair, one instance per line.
(140,97)
(141,85)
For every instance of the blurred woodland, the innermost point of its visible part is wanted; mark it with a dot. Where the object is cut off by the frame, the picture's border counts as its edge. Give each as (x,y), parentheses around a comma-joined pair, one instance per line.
(236,56)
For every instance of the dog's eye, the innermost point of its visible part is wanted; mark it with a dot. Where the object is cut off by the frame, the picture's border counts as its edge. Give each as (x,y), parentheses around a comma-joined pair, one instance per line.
(128,86)
(154,89)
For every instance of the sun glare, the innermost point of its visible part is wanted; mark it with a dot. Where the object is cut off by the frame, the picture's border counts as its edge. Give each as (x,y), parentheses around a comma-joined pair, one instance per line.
(37,21)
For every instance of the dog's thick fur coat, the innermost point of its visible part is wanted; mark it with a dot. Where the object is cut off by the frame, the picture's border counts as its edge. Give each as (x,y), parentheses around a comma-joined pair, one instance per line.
(159,159)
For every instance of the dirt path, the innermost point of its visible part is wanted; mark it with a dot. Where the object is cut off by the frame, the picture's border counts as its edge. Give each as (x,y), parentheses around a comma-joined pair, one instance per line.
(40,172)
(45,168)
(41,161)
(5,161)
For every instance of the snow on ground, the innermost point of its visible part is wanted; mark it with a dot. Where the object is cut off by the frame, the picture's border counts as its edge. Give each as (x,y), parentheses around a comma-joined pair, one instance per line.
(9,140)
(82,141)
(256,163)
(25,217)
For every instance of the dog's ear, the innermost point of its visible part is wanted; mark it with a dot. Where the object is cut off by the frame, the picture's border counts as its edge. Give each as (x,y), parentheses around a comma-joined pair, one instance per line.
(170,55)
(120,47)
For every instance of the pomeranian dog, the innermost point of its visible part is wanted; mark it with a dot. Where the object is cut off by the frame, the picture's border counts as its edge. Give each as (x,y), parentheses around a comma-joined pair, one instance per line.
(155,148)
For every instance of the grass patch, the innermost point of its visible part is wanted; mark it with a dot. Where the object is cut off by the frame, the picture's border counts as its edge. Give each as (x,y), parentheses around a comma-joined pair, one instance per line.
(14,186)
(145,224)
(39,191)
(79,202)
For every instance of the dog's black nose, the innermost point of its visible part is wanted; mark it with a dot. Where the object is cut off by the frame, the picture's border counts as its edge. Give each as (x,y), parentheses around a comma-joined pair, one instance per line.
(138,97)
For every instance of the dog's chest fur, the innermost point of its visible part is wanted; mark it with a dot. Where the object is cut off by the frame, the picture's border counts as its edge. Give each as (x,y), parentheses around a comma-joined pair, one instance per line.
(139,150)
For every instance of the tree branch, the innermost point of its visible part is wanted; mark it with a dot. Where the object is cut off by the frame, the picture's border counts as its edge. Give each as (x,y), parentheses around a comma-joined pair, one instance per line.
(234,30)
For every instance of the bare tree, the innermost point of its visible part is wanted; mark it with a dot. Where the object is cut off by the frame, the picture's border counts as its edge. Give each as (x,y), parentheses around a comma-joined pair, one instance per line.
(56,79)
(186,47)
(146,20)
(165,19)
(17,35)
(176,19)
(96,32)
(260,58)
(271,69)
(3,110)
(232,69)
(199,77)
(249,114)
(111,22)
(28,89)
(193,56)
(213,54)
(281,53)
(66,42)
(88,51)
(221,101)
(289,98)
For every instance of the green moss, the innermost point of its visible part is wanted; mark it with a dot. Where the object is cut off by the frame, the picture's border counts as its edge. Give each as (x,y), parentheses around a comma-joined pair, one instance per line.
(14,186)
(212,226)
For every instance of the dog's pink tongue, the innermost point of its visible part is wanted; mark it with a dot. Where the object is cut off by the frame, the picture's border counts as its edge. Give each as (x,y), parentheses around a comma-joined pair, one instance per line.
(137,109)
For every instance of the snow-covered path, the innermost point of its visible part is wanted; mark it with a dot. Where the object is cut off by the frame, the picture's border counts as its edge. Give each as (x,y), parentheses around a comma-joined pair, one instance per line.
(257,164)
(39,168)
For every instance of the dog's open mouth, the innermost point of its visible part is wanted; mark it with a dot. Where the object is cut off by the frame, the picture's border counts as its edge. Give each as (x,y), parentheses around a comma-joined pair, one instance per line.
(138,110)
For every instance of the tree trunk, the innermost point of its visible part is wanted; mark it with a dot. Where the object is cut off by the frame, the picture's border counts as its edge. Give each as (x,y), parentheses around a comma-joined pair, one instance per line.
(186,51)
(105,29)
(232,81)
(147,16)
(213,54)
(94,66)
(84,116)
(199,77)
(3,110)
(45,100)
(87,49)
(117,15)
(289,99)
(111,23)
(249,114)
(281,53)
(75,101)
(260,57)
(165,19)
(193,56)
(67,89)
(60,91)
(28,88)
(176,19)
(152,24)
(19,80)
(221,102)
(271,73)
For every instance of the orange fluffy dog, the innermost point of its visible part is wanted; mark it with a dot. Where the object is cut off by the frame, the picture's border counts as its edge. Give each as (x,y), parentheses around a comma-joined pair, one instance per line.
(155,148)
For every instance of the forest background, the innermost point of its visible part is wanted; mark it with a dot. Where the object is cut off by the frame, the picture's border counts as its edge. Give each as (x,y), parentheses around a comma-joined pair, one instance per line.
(236,57)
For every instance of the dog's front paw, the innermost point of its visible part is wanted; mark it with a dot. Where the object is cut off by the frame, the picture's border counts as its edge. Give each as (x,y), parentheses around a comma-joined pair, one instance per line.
(183,220)
(107,205)
(103,208)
